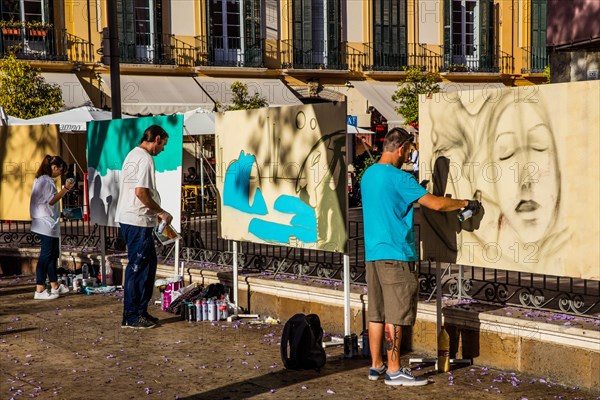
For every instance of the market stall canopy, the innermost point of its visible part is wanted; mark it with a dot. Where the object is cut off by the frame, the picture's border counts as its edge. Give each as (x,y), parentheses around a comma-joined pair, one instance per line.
(73,93)
(379,95)
(156,95)
(74,120)
(356,130)
(273,90)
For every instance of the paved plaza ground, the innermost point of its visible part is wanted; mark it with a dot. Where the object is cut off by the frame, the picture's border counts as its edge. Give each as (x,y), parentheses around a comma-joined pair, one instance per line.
(74,348)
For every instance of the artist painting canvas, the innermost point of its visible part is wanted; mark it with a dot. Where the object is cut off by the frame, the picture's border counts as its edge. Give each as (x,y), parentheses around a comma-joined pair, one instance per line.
(109,142)
(530,154)
(281,176)
(22,149)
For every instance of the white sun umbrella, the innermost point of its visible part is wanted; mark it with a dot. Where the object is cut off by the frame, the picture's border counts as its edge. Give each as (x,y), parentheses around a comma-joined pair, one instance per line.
(198,122)
(73,120)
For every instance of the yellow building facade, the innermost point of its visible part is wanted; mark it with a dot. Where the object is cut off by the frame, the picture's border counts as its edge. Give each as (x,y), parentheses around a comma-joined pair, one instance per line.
(318,50)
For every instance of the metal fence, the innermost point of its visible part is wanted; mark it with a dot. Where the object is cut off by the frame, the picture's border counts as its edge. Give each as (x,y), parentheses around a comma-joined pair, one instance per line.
(202,244)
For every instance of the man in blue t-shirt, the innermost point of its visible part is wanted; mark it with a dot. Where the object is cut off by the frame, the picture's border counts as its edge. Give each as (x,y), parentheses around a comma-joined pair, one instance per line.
(387,197)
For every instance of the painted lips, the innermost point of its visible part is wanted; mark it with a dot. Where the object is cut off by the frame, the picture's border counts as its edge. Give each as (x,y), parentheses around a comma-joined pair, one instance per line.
(527,206)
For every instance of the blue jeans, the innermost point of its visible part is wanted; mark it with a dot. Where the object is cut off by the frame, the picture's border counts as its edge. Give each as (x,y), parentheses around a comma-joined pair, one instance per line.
(47,262)
(140,272)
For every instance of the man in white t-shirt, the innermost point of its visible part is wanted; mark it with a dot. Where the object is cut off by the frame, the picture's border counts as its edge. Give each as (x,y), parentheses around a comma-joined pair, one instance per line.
(138,212)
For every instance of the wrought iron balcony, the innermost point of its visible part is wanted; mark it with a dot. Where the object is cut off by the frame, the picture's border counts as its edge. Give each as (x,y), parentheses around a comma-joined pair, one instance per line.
(219,51)
(466,58)
(33,43)
(535,60)
(314,54)
(385,57)
(163,49)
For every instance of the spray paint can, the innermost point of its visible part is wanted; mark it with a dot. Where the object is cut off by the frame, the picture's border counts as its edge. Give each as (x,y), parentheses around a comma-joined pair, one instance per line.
(204,310)
(161,226)
(198,310)
(465,214)
(212,310)
(191,312)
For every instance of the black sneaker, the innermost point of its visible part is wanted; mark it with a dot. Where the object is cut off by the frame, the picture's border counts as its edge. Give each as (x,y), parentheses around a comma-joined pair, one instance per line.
(150,318)
(141,323)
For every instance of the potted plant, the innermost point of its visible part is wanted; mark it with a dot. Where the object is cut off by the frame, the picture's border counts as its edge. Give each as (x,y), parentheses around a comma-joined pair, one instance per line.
(11,27)
(38,28)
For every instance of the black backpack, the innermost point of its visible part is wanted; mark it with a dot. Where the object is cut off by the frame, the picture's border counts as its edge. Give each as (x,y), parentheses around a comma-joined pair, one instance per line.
(304,335)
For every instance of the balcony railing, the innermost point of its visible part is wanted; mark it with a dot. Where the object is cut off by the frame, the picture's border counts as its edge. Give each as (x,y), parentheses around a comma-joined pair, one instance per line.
(314,54)
(383,57)
(33,43)
(467,58)
(535,60)
(78,49)
(219,51)
(163,49)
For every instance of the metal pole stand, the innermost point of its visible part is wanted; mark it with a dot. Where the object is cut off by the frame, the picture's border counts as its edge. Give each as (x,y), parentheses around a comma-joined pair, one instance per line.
(236,314)
(438,306)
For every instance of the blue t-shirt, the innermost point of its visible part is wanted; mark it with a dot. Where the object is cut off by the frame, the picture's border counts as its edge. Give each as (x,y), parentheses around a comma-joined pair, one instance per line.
(387,197)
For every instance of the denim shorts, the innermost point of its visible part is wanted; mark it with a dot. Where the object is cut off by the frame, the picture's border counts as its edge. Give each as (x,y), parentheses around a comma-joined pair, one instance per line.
(393,291)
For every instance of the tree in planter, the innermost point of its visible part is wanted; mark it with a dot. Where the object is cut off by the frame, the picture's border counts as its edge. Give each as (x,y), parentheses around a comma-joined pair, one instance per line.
(241,100)
(407,96)
(24,92)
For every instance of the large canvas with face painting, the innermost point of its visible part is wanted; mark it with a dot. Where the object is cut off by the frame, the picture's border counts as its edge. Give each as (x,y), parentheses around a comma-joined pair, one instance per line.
(109,142)
(531,155)
(281,176)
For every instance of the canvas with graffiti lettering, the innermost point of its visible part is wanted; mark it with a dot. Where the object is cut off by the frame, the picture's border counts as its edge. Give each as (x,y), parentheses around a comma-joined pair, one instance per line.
(282,178)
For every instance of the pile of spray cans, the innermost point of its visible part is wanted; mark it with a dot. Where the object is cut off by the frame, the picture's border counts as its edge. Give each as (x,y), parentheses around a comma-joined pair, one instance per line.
(206,310)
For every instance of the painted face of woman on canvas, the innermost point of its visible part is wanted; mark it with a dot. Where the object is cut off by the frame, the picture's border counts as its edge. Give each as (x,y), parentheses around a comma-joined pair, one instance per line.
(528,186)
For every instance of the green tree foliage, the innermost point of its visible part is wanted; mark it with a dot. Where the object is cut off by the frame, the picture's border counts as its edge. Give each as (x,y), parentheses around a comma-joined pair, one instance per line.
(241,100)
(547,73)
(407,96)
(23,91)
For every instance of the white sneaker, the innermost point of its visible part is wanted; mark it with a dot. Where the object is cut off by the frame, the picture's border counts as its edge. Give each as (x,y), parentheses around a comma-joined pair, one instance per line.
(62,289)
(45,295)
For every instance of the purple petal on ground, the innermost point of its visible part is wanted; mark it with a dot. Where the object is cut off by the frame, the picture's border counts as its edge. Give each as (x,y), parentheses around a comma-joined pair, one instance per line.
(304,387)
(329,391)
(148,390)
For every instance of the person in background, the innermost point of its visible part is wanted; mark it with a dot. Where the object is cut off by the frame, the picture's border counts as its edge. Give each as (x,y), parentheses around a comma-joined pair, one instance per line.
(192,175)
(414,159)
(44,208)
(137,211)
(388,194)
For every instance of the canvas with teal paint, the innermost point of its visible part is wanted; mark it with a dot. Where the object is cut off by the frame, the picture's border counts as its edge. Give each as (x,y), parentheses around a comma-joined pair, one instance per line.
(281,175)
(109,142)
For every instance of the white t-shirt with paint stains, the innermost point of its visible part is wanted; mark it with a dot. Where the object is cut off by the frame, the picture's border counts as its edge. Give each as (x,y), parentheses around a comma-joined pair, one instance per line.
(137,172)
(45,219)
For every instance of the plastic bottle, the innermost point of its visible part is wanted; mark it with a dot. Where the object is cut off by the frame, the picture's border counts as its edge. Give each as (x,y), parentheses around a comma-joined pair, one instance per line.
(443,346)
(109,274)
(223,310)
(85,271)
